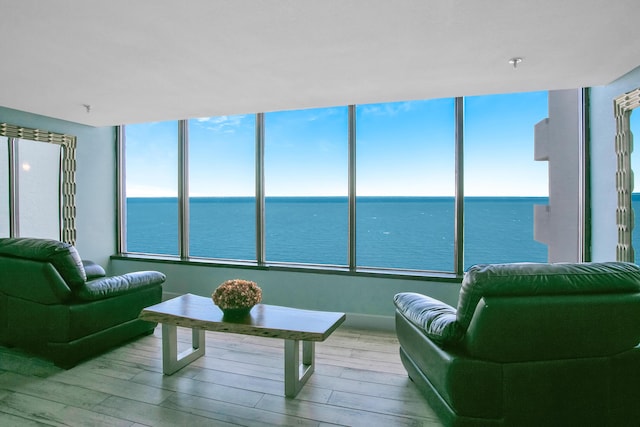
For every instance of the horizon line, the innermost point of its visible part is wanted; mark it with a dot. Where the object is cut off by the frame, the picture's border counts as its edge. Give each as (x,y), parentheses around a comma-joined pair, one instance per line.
(345,197)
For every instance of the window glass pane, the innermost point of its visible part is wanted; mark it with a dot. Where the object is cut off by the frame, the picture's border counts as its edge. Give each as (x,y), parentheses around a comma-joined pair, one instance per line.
(4,186)
(39,189)
(222,187)
(405,185)
(152,187)
(306,186)
(635,166)
(502,180)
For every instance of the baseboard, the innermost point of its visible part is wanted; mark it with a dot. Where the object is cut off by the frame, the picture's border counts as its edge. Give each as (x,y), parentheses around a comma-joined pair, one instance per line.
(370,321)
(169,295)
(354,320)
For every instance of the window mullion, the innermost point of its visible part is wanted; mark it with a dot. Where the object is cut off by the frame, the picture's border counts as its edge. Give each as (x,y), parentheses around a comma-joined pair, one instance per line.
(260,229)
(121,179)
(352,188)
(458,246)
(183,188)
(14,208)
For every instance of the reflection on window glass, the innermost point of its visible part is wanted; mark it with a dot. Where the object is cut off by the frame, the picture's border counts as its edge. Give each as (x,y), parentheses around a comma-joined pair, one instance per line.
(222,187)
(39,189)
(4,186)
(405,185)
(502,180)
(152,187)
(306,186)
(635,166)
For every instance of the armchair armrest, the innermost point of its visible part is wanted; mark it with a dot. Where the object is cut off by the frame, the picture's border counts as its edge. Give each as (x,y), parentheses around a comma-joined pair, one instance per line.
(93,270)
(435,318)
(106,287)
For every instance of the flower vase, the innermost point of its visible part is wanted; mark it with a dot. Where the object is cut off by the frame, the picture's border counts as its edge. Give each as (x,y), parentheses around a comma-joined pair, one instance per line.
(235,313)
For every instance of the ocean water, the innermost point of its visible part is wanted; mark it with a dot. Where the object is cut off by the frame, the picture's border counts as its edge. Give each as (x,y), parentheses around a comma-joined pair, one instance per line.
(391,232)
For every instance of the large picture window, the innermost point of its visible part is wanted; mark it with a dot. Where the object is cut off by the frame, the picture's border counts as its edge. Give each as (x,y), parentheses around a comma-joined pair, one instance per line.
(405,185)
(306,186)
(367,187)
(151,153)
(222,204)
(502,180)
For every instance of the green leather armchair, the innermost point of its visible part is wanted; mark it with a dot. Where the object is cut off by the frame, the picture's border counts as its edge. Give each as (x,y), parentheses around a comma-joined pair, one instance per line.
(66,309)
(529,345)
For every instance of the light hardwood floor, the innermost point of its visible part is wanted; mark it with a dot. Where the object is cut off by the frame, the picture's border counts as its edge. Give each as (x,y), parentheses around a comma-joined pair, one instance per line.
(359,381)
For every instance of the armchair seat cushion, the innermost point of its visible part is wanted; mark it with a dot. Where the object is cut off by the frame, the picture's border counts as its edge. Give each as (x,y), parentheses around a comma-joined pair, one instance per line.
(107,287)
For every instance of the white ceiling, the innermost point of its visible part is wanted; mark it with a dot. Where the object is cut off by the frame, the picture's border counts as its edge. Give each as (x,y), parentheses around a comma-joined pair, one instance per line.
(150,60)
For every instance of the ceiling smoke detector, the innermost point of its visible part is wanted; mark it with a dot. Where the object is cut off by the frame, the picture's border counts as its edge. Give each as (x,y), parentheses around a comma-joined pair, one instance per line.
(515,61)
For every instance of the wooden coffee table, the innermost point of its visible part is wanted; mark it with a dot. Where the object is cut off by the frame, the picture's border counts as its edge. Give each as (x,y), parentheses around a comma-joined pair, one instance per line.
(200,314)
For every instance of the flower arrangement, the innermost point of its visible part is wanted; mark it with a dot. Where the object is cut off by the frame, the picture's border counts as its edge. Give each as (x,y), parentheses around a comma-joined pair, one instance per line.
(237,294)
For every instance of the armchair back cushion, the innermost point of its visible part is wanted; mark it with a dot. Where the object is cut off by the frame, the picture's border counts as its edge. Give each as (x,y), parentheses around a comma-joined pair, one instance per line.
(538,279)
(529,311)
(20,275)
(63,256)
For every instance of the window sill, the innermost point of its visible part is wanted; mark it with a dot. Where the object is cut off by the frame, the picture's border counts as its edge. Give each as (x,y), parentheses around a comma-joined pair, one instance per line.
(305,268)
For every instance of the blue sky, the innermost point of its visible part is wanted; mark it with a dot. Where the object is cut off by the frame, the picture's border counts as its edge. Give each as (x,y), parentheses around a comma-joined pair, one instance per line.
(403,149)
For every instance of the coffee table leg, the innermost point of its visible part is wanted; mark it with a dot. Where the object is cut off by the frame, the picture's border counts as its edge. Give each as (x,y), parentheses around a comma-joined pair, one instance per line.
(171,360)
(296,374)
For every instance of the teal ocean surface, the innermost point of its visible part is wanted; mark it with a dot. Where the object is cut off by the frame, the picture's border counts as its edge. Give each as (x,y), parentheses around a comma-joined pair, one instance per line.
(415,233)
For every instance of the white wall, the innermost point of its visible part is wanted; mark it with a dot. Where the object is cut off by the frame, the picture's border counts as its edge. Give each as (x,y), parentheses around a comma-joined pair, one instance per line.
(368,301)
(603,165)
(558,141)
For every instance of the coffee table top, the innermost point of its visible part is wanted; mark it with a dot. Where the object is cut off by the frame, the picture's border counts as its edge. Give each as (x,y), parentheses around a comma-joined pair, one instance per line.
(193,311)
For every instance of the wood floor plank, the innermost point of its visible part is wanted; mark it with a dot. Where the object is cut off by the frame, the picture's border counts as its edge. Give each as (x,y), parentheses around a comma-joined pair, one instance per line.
(132,359)
(401,379)
(17,421)
(239,415)
(113,386)
(390,367)
(56,414)
(242,367)
(51,390)
(359,386)
(205,389)
(359,380)
(334,414)
(232,379)
(411,408)
(154,415)
(110,368)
